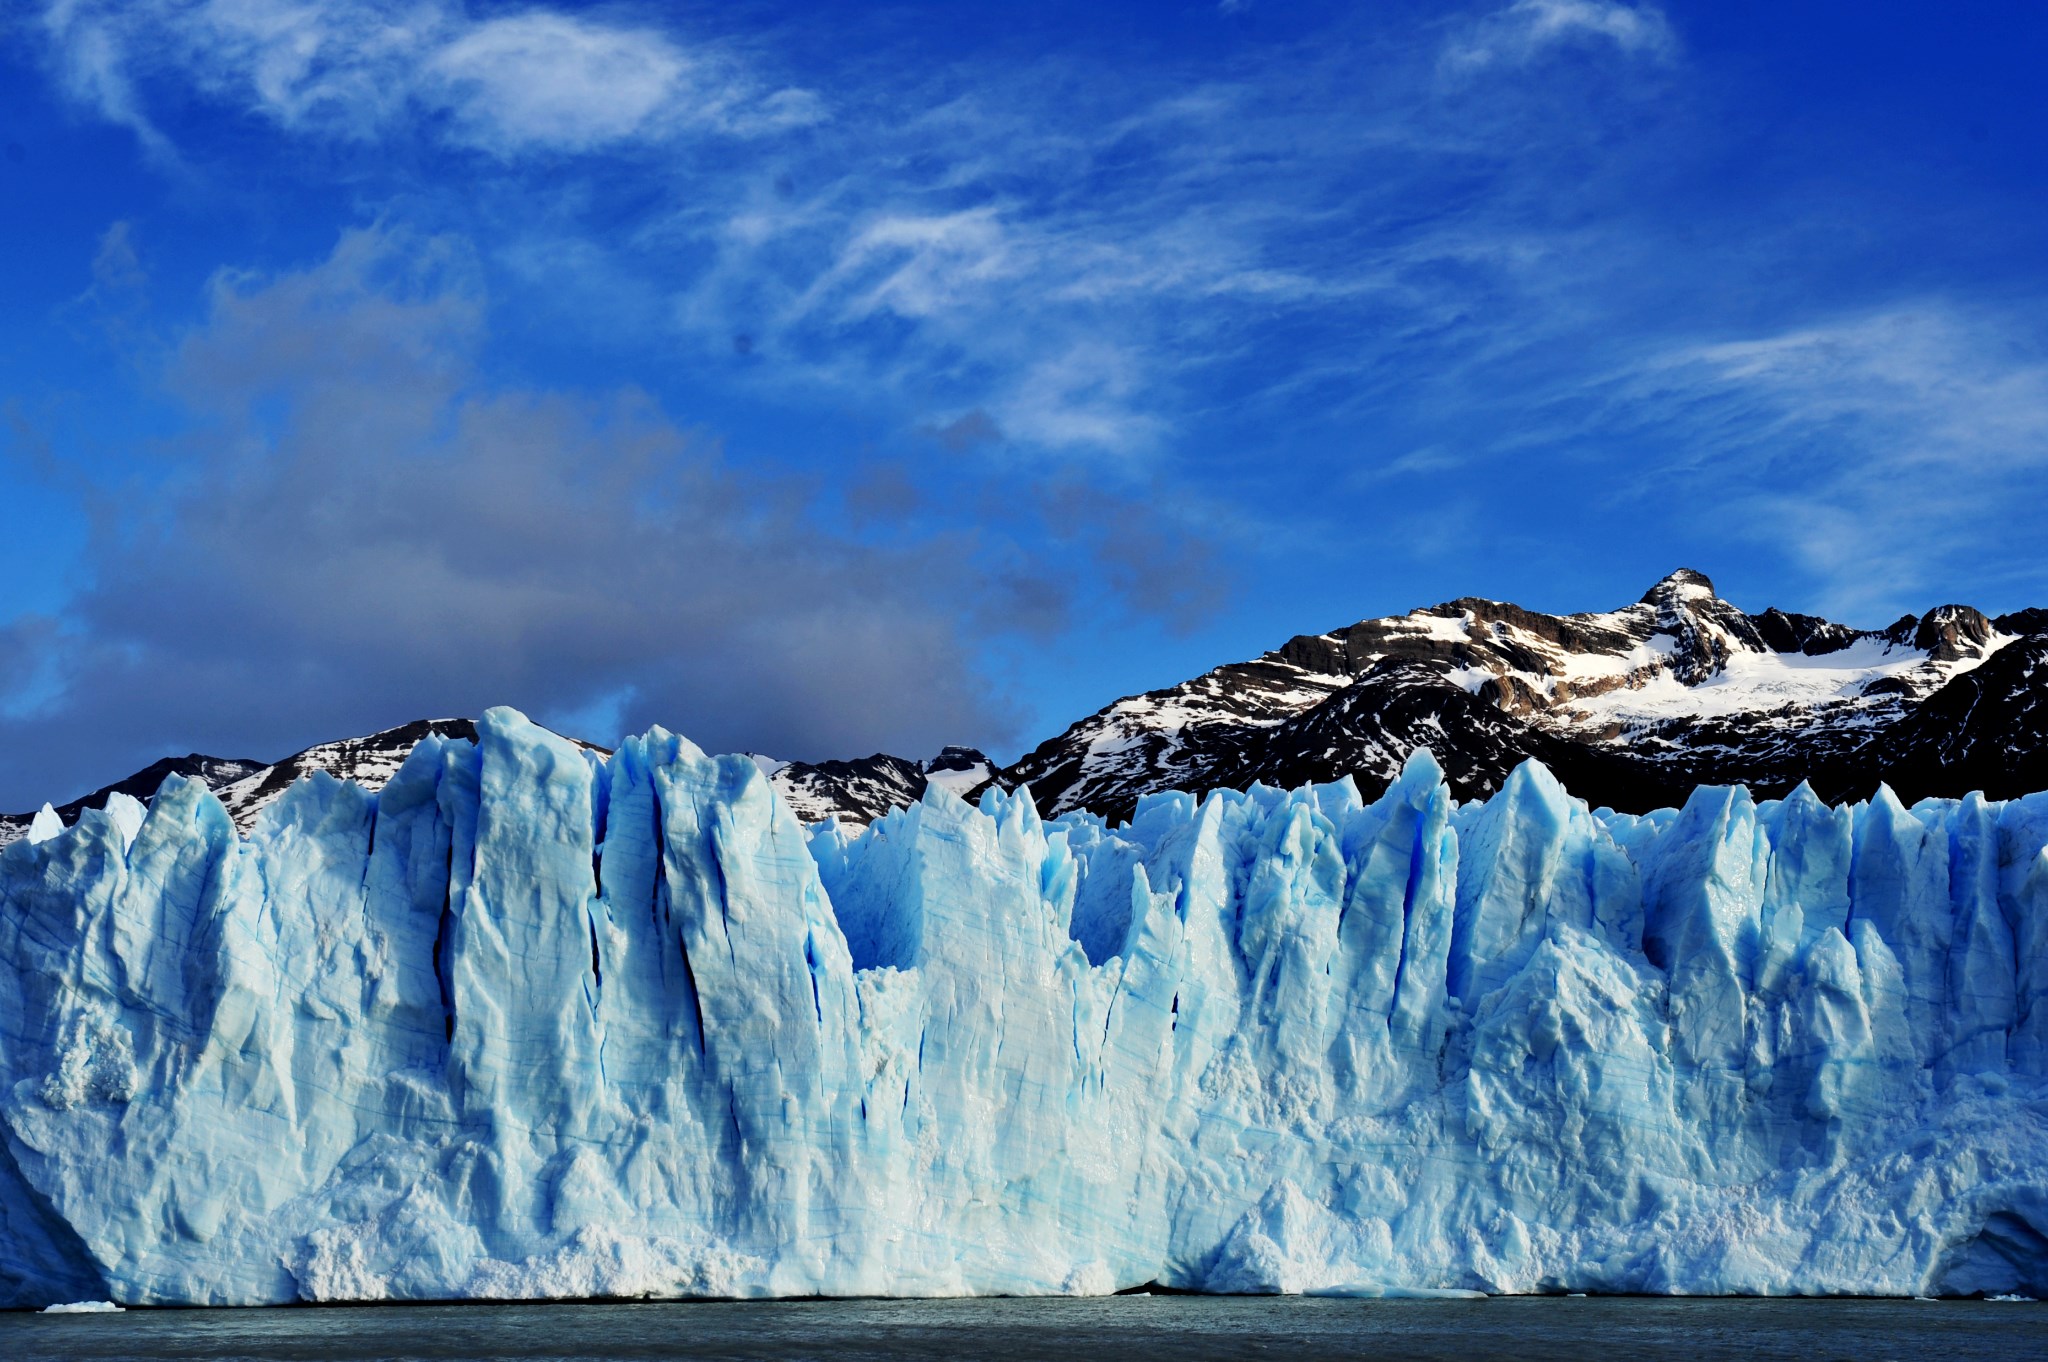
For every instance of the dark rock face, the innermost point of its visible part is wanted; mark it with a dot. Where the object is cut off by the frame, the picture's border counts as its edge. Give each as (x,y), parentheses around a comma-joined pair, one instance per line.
(1807,634)
(1949,633)
(1367,730)
(857,791)
(1630,708)
(216,772)
(863,790)
(1985,730)
(2030,621)
(957,759)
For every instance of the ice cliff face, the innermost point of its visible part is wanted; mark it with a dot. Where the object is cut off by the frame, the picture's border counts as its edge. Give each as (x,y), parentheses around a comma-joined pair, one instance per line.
(531,1022)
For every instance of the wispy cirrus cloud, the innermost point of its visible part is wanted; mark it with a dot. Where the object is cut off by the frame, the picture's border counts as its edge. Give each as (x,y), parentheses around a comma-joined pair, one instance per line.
(542,79)
(1890,450)
(1527,30)
(1068,270)
(507,83)
(1086,255)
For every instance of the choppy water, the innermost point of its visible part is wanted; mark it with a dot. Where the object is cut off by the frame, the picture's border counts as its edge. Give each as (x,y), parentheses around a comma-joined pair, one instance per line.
(1118,1329)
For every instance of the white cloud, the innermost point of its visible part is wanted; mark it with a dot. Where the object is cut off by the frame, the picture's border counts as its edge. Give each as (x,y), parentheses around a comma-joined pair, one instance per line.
(1077,252)
(548,80)
(1883,448)
(919,266)
(538,79)
(1085,397)
(1948,388)
(1528,29)
(91,66)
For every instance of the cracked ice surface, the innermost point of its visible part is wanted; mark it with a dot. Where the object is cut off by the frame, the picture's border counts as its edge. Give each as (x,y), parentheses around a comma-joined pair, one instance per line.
(525,1024)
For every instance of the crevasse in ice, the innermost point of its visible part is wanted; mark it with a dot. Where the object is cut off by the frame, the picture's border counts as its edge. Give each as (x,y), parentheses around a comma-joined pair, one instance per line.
(528,1024)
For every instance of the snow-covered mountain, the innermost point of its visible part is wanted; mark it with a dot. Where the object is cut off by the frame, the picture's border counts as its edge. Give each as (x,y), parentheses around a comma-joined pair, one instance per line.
(369,761)
(1632,708)
(856,792)
(216,773)
(860,791)
(247,787)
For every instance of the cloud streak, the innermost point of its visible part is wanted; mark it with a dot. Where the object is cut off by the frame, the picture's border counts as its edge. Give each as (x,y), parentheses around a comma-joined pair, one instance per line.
(1888,449)
(1086,255)
(538,80)
(1530,30)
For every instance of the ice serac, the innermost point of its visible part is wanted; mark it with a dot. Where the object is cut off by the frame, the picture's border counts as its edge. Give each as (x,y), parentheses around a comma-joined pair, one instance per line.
(531,1023)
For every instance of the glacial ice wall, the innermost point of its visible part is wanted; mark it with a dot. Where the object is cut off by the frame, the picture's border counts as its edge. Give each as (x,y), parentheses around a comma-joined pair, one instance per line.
(527,1024)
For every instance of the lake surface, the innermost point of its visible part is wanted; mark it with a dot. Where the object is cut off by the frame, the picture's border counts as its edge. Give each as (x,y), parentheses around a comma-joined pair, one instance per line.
(1114,1329)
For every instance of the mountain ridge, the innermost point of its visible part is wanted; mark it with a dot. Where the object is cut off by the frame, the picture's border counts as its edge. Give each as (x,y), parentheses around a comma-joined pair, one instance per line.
(1632,708)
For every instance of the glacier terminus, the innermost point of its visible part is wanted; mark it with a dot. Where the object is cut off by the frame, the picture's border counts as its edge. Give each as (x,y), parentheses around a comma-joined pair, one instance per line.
(532,1022)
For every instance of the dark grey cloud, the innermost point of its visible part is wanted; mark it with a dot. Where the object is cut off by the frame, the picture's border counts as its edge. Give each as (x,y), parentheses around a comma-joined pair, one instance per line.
(885,494)
(1157,557)
(361,532)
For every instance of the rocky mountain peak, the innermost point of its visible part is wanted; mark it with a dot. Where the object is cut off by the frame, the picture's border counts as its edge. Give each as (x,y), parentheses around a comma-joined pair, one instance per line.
(1810,635)
(1686,584)
(1706,630)
(1951,633)
(958,759)
(2020,623)
(1631,707)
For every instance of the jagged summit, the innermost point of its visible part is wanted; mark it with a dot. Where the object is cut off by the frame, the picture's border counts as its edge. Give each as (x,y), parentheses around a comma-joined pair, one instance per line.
(1631,707)
(1951,633)
(1684,584)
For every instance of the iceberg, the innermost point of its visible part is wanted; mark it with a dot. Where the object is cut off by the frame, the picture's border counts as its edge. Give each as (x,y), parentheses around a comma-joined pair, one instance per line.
(531,1023)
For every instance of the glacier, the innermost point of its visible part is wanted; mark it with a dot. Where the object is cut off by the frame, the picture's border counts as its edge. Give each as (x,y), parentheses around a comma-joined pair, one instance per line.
(531,1022)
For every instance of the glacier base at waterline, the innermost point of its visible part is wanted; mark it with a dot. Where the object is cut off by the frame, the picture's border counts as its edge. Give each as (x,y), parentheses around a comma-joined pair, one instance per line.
(529,1022)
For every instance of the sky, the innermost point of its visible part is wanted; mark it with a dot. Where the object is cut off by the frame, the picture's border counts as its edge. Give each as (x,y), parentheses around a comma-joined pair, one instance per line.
(818,379)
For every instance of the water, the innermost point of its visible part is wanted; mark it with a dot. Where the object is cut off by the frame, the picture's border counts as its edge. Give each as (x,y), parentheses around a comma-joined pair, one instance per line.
(1117,1329)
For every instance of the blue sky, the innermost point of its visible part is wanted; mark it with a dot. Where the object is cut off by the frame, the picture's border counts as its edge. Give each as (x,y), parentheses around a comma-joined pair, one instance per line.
(816,379)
